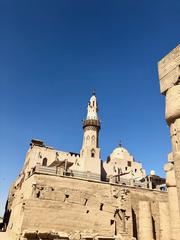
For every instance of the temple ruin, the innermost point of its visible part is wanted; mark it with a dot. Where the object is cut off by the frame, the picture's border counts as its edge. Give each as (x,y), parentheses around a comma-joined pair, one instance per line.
(77,196)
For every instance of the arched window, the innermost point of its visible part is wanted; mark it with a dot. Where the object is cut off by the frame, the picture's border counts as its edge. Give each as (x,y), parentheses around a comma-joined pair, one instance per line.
(92,153)
(87,139)
(92,140)
(44,162)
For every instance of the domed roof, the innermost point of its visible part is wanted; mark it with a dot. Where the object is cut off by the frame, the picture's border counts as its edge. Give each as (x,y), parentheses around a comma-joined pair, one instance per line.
(120,153)
(120,150)
(152,173)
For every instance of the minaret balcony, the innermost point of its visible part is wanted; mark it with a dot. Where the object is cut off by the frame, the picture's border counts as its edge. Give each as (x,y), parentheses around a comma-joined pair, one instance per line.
(91,123)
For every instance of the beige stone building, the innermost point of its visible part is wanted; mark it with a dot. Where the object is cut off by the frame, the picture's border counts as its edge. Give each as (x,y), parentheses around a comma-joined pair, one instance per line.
(65,195)
(121,162)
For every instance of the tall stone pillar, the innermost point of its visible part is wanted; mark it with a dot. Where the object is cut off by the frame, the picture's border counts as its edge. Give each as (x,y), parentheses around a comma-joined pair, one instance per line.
(145,221)
(169,76)
(174,217)
(164,221)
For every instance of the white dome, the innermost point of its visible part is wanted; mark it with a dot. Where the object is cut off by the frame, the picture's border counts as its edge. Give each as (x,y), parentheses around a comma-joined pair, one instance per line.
(120,153)
(152,173)
(120,150)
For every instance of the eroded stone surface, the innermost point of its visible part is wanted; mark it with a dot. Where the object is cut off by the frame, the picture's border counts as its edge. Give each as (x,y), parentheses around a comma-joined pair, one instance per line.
(169,76)
(169,70)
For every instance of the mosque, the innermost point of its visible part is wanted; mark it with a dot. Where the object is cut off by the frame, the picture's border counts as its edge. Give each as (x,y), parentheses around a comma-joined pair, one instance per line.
(78,196)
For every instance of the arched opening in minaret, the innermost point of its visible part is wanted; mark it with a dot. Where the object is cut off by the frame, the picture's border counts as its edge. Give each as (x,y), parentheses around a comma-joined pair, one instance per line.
(87,139)
(93,140)
(92,153)
(44,162)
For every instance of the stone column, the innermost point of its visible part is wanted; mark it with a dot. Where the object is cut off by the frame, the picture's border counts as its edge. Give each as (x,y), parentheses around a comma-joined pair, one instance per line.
(174,218)
(145,221)
(173,120)
(169,76)
(164,221)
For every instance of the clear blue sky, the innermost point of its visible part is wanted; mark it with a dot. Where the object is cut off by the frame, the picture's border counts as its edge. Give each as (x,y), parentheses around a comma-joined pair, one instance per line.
(53,53)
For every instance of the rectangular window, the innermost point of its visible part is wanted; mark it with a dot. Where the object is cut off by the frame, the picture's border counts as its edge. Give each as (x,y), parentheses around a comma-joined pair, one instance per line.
(129,163)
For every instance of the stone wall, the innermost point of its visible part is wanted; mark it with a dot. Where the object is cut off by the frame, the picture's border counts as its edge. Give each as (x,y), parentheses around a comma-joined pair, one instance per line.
(74,207)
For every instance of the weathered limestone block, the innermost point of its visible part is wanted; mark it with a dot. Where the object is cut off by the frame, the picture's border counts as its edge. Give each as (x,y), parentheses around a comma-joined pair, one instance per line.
(145,221)
(78,198)
(109,208)
(164,221)
(168,69)
(173,104)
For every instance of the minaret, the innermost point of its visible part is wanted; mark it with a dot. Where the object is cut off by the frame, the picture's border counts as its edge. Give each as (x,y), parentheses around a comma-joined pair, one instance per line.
(90,152)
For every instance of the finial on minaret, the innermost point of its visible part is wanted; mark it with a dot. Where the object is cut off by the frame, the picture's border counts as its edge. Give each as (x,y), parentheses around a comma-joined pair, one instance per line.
(94,92)
(120,143)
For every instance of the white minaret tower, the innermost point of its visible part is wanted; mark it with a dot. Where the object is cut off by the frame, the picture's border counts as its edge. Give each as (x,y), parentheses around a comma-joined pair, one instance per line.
(90,152)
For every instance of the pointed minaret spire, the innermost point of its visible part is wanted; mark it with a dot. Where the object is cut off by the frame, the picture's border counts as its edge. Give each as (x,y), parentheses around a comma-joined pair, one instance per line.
(92,109)
(120,143)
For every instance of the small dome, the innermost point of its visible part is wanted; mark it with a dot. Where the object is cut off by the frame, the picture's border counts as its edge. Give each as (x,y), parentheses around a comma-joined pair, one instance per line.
(152,173)
(120,150)
(120,153)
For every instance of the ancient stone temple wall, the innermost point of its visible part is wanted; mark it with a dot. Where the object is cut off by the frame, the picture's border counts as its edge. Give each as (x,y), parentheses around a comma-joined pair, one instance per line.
(81,209)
